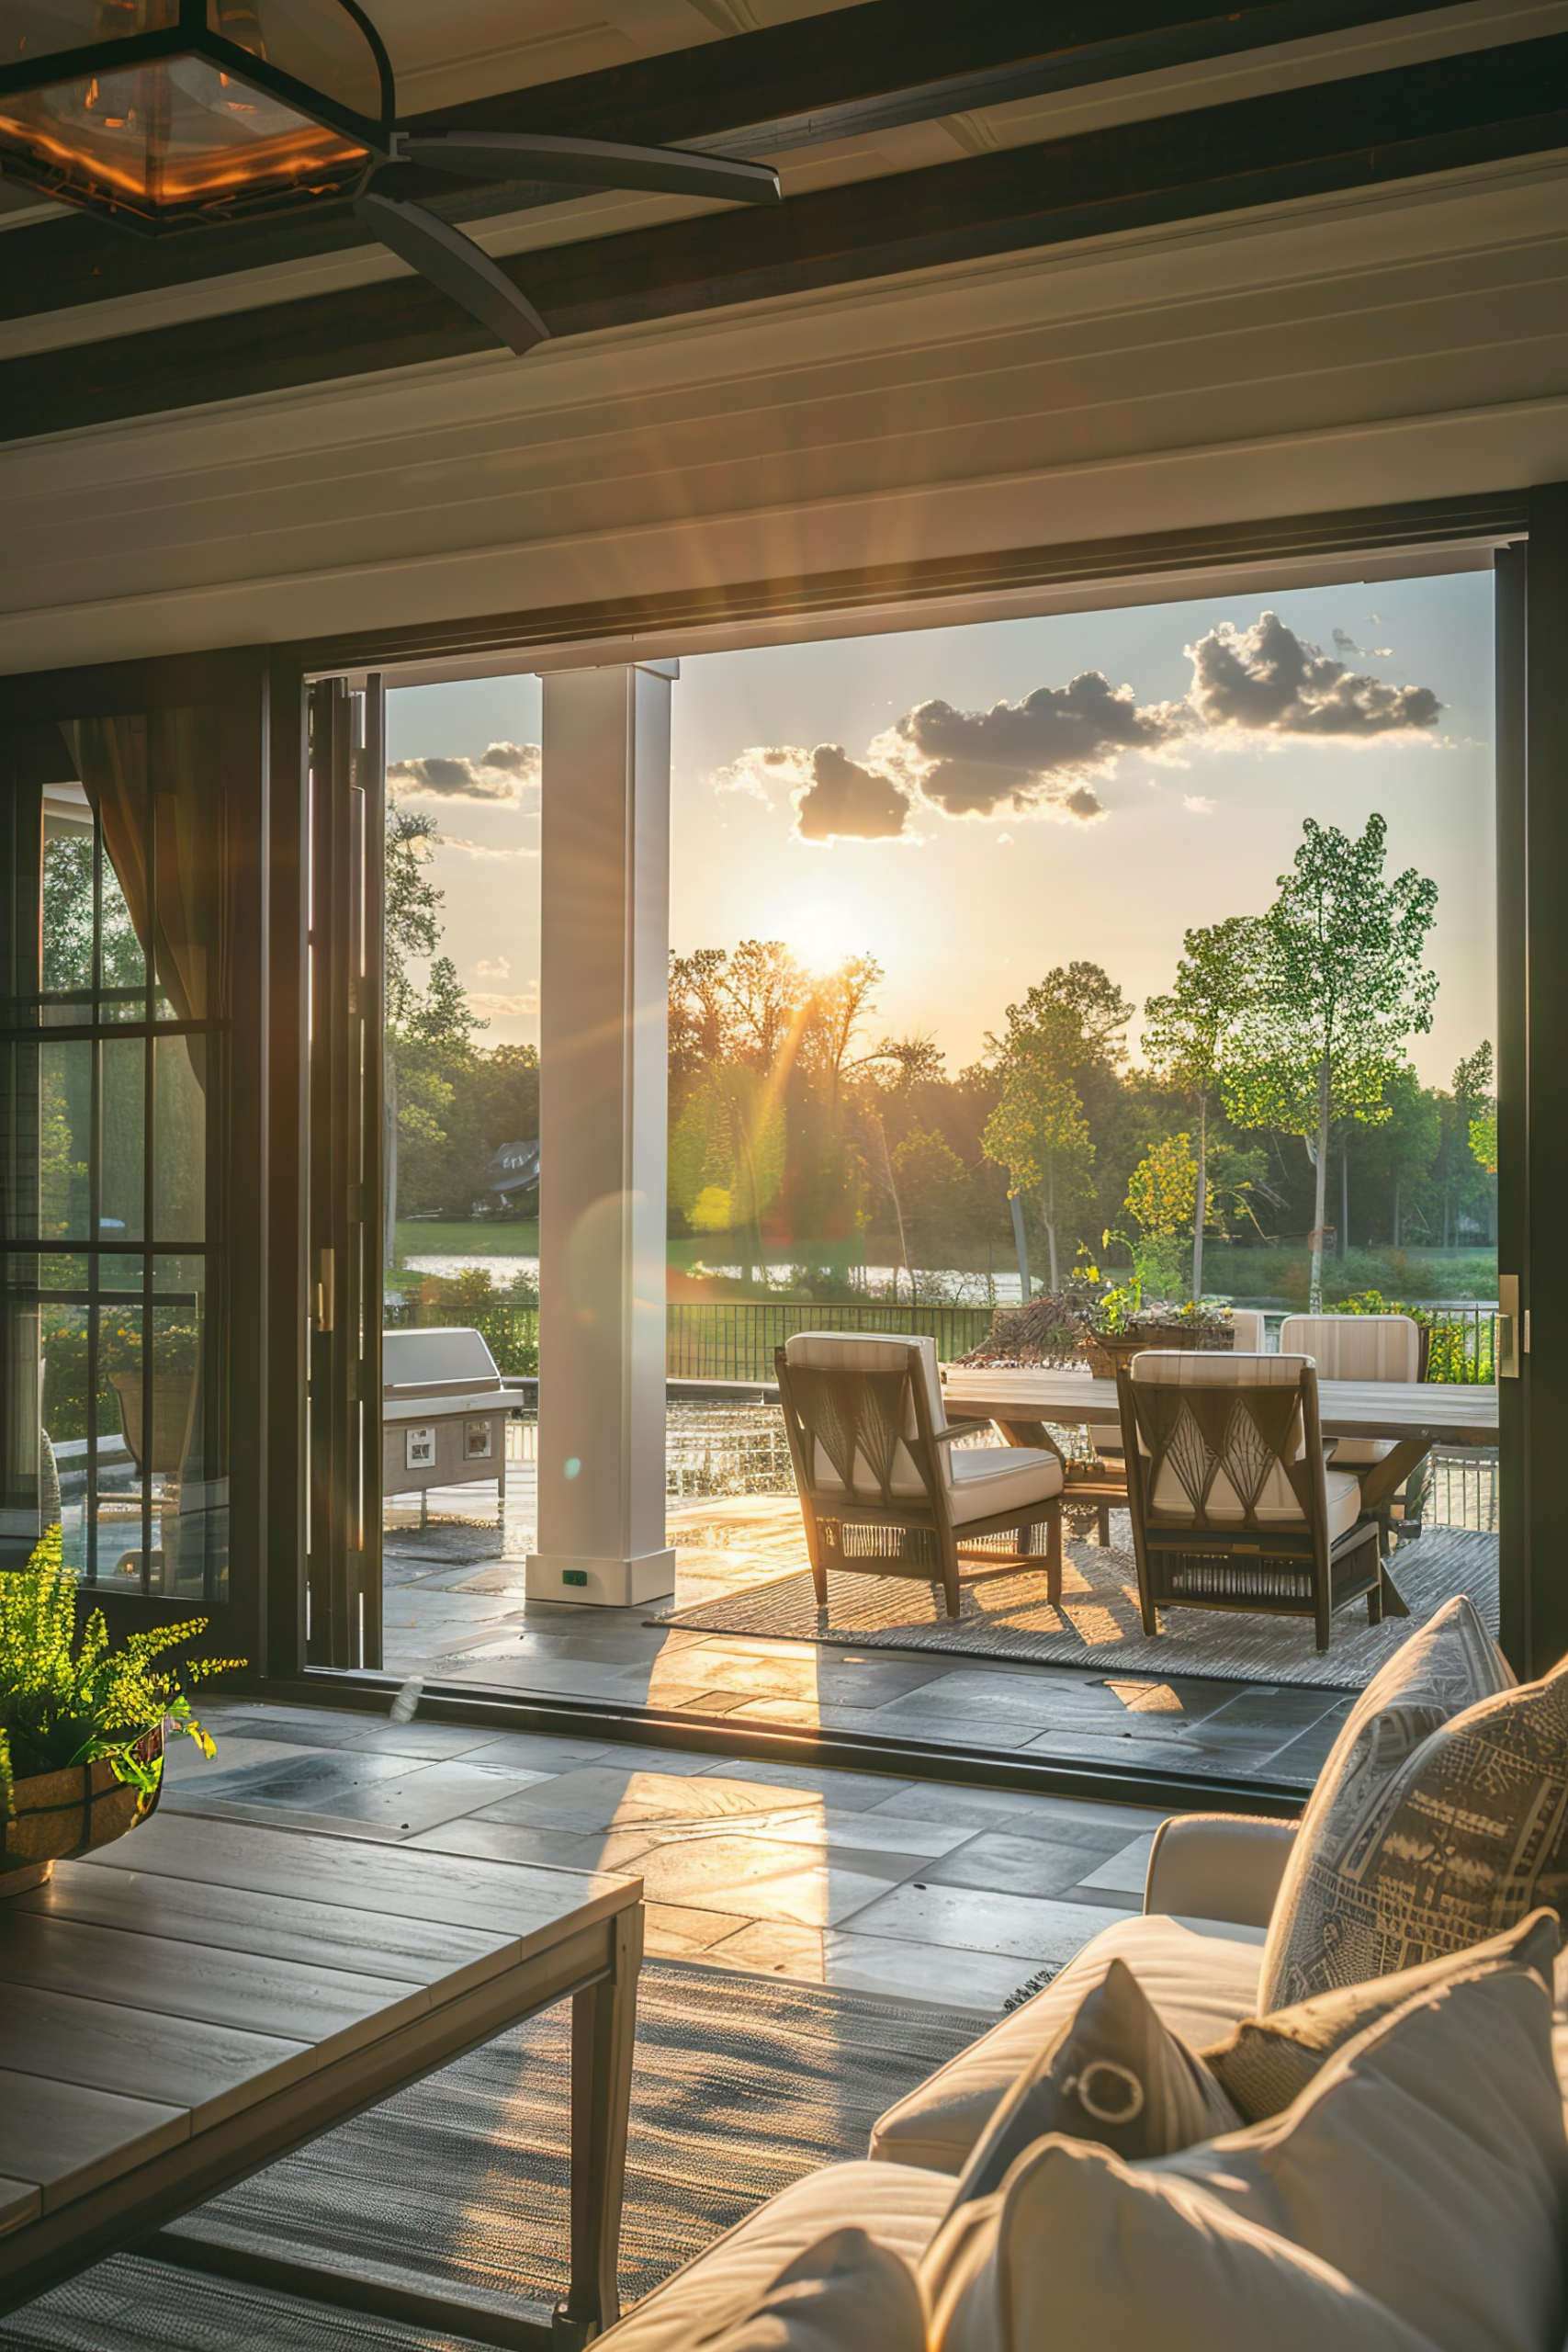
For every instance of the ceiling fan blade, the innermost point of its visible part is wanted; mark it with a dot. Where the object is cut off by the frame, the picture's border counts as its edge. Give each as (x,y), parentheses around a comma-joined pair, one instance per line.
(458,266)
(592,163)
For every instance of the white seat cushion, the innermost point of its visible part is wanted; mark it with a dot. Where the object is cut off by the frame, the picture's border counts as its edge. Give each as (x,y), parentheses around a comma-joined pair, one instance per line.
(1199,1977)
(989,1478)
(898,2208)
(1356,1347)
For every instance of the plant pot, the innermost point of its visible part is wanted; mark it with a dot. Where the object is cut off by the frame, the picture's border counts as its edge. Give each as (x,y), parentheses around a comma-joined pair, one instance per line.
(60,1814)
(174,1418)
(1108,1351)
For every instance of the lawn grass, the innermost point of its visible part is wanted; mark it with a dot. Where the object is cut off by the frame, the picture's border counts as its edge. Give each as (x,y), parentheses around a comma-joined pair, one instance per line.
(474,1238)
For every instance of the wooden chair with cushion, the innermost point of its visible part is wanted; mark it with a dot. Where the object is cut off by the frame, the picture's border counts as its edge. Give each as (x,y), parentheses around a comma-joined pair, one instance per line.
(883,1489)
(1233,1504)
(1394,1472)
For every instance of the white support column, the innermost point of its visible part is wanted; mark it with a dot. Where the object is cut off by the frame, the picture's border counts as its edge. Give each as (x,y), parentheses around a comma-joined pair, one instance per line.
(604,996)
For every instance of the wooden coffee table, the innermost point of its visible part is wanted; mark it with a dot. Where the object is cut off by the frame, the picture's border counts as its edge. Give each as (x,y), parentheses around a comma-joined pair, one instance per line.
(204,1995)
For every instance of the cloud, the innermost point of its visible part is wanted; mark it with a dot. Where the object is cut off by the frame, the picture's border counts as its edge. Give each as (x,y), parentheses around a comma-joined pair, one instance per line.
(1267,680)
(492,968)
(525,1001)
(1344,643)
(835,798)
(465,847)
(1033,758)
(505,772)
(1045,755)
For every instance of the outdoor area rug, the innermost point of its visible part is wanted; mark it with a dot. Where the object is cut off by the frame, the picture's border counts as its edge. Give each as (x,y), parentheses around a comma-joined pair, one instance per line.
(1098,1622)
(742,2084)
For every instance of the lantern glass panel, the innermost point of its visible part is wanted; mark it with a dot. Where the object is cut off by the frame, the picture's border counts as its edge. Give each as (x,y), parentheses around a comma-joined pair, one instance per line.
(315,40)
(176,138)
(38,29)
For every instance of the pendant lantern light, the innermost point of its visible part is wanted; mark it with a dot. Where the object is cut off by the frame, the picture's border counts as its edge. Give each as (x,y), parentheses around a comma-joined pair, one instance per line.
(165,115)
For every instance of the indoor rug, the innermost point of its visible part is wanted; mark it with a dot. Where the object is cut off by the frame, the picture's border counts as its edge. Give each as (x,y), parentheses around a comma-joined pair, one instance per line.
(1098,1622)
(742,2084)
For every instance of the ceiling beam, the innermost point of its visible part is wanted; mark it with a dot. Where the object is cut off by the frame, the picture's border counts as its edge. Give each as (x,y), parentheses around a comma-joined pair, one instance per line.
(876,66)
(1440,116)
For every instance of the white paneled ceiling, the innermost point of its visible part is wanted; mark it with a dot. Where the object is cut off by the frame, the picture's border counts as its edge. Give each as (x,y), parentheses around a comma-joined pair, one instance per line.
(467,48)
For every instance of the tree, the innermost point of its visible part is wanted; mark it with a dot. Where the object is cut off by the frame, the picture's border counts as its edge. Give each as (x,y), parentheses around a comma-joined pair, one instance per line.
(1062,1042)
(429,1028)
(1339,988)
(1038,1132)
(933,1191)
(726,1155)
(1188,1035)
(1160,1197)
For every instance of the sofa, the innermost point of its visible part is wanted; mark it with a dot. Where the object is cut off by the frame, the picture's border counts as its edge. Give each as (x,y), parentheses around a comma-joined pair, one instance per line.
(1196,1948)
(1408,1856)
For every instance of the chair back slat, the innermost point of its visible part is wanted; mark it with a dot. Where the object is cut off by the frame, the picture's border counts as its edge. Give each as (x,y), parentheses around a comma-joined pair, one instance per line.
(857,1420)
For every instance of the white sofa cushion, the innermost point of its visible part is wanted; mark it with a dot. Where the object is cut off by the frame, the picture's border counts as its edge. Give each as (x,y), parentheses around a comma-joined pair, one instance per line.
(1428,2162)
(846,2293)
(1266,2063)
(985,1479)
(1414,2194)
(899,2211)
(1199,1977)
(1444,1668)
(1081,2253)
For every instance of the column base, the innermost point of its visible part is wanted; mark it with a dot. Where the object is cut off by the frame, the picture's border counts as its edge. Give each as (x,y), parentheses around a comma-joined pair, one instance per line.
(604,1584)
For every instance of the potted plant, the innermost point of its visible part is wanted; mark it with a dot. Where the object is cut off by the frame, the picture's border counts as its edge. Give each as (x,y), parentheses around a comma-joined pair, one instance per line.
(82,1723)
(1123,1324)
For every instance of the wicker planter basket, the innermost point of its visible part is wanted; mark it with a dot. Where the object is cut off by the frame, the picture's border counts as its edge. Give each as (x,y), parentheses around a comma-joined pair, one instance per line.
(58,1815)
(1107,1350)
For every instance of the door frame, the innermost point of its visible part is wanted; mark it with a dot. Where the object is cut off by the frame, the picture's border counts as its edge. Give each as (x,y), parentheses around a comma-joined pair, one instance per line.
(1526,529)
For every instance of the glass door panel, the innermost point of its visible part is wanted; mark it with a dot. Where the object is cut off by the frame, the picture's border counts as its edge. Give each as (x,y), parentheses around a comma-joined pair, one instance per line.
(114,1150)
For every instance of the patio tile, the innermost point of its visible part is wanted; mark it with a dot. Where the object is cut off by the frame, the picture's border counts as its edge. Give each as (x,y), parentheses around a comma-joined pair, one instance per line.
(513,1842)
(1020,1865)
(909,1971)
(1125,1873)
(674,1933)
(529,1751)
(981,1919)
(872,1832)
(423,1796)
(433,1741)
(848,1790)
(314,1777)
(756,1879)
(602,1796)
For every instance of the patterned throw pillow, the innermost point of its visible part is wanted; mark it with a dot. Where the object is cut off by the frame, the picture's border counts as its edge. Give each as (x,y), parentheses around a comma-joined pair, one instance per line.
(1114,2074)
(1325,1930)
(1268,2062)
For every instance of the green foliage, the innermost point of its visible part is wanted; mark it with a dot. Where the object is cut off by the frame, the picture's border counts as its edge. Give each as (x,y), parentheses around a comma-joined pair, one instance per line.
(1458,1348)
(68,1700)
(509,1320)
(1161,1196)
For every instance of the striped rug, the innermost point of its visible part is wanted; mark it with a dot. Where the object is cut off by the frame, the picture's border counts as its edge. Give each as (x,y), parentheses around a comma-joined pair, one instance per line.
(1098,1622)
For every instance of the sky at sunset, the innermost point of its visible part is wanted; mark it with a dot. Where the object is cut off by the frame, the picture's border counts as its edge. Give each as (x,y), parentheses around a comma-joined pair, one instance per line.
(972,806)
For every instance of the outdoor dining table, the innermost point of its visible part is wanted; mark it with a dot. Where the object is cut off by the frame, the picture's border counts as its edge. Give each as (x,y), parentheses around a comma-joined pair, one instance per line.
(1026,1402)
